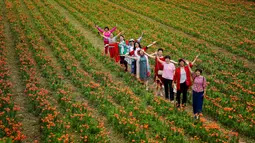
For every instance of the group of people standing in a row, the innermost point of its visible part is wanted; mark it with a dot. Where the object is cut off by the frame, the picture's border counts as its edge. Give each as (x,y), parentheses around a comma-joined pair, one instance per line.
(166,76)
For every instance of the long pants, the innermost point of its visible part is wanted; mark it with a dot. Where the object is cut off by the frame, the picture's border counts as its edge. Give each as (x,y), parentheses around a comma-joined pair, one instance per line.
(183,90)
(168,85)
(133,67)
(106,48)
(197,101)
(123,62)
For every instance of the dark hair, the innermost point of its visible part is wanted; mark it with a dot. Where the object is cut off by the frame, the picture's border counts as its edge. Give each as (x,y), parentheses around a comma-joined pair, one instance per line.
(123,37)
(106,27)
(181,60)
(138,44)
(160,49)
(167,57)
(200,70)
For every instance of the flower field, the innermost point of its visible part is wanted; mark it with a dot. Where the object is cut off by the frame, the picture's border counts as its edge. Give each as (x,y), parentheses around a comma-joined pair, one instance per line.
(79,95)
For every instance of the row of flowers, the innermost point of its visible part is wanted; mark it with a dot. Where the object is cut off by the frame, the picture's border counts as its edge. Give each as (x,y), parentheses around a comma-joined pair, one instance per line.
(76,117)
(39,98)
(80,55)
(10,128)
(216,89)
(93,85)
(177,42)
(221,33)
(80,78)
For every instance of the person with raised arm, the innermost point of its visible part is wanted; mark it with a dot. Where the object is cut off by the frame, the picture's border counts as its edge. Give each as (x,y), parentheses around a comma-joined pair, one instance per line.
(112,44)
(167,75)
(158,69)
(134,53)
(143,68)
(123,50)
(132,41)
(198,90)
(130,45)
(107,33)
(112,39)
(182,79)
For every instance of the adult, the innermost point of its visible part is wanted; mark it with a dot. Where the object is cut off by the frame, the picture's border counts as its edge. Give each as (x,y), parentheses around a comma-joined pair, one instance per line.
(158,70)
(130,45)
(107,33)
(167,75)
(143,68)
(111,46)
(182,79)
(123,50)
(134,53)
(198,92)
(135,40)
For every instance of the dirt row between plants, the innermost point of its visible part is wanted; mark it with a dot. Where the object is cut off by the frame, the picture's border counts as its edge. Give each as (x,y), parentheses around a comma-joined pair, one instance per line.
(98,43)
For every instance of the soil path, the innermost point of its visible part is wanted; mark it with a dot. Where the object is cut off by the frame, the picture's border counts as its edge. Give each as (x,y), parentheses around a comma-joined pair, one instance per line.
(30,123)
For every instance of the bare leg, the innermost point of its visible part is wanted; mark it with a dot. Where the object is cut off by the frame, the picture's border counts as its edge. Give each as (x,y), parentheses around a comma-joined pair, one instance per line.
(146,84)
(137,69)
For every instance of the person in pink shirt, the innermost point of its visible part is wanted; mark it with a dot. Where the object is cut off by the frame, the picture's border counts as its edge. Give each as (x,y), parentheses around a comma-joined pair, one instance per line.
(107,34)
(198,92)
(168,75)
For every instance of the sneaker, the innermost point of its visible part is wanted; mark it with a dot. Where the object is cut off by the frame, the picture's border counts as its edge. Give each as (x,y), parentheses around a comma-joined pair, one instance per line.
(172,101)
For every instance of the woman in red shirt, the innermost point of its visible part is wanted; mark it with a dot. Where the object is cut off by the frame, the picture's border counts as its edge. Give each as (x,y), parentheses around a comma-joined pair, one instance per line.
(182,79)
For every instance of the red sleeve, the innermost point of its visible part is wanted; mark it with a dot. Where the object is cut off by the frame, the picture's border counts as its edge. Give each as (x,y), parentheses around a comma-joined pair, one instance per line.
(145,48)
(190,64)
(132,53)
(174,79)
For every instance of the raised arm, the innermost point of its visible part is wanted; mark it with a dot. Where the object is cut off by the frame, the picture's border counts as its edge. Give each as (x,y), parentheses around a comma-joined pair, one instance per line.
(113,29)
(151,56)
(119,34)
(162,62)
(104,36)
(151,44)
(188,63)
(174,62)
(195,59)
(140,38)
(154,54)
(99,29)
(131,57)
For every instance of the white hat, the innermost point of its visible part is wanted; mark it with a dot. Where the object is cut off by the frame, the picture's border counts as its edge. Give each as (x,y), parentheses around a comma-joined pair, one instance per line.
(131,40)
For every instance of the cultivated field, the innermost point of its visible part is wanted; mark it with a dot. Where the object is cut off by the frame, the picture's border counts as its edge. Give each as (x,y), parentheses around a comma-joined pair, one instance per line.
(56,85)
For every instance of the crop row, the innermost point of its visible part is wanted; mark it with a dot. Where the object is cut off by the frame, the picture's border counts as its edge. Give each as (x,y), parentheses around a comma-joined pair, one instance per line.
(219,94)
